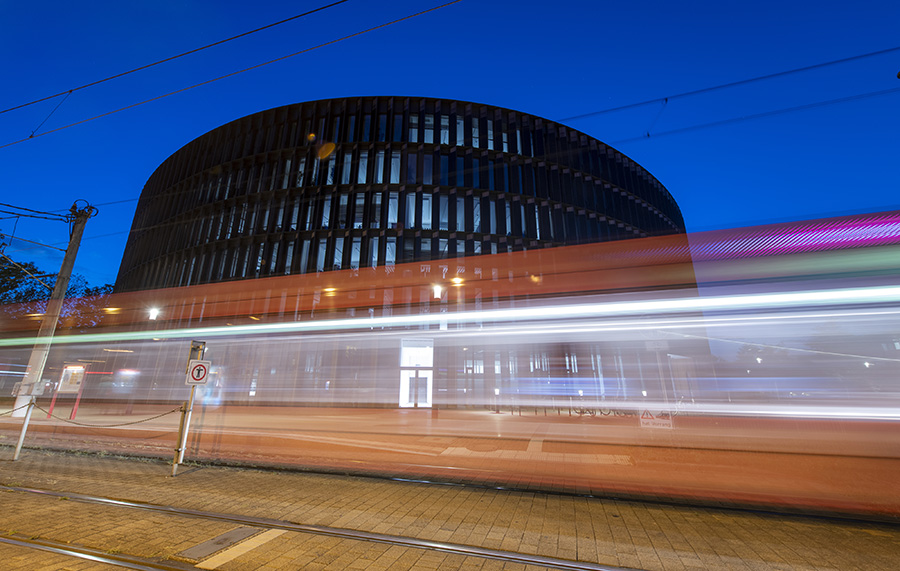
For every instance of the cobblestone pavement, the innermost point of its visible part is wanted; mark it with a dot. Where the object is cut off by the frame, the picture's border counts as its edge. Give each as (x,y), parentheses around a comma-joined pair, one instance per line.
(605,531)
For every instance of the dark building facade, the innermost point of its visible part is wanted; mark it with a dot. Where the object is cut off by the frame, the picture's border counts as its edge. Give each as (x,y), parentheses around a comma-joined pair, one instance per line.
(375,181)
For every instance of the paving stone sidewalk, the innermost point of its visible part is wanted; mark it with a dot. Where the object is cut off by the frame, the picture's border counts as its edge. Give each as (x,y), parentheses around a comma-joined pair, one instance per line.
(606,531)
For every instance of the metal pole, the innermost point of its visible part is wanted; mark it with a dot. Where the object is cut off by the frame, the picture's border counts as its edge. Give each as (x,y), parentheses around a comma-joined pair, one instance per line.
(24,428)
(183,432)
(197,348)
(35,371)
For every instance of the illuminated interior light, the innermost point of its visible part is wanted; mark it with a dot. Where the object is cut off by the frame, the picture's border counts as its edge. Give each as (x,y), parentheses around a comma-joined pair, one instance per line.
(153,313)
(253,317)
(456,281)
(112,310)
(437,290)
(118,350)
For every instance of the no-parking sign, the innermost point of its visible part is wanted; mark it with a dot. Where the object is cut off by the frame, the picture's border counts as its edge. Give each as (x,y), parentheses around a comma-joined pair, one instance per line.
(198,372)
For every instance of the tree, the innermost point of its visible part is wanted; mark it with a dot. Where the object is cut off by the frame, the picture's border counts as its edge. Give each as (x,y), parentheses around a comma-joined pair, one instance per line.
(23,298)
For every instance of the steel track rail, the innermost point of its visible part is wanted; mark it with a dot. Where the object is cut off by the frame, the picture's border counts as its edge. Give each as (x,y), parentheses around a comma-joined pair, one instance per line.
(119,560)
(267,523)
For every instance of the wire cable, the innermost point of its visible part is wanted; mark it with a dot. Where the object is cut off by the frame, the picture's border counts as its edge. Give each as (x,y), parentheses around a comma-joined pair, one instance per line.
(51,113)
(759,115)
(168,59)
(227,75)
(727,85)
(30,242)
(26,210)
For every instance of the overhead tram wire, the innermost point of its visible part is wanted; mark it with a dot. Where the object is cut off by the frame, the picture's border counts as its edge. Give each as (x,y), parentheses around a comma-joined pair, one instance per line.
(171,58)
(727,85)
(758,115)
(232,74)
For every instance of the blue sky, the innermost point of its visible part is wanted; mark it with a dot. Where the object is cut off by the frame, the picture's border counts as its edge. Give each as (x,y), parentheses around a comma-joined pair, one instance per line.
(556,60)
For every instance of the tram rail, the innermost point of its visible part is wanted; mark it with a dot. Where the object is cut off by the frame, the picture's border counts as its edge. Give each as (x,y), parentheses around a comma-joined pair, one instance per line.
(131,562)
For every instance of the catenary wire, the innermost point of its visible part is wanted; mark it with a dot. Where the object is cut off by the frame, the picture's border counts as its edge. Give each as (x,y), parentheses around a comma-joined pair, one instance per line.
(26,210)
(727,85)
(168,59)
(234,73)
(759,115)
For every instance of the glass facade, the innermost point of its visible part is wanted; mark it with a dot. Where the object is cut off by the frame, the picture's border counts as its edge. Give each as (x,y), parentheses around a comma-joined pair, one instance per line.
(376,181)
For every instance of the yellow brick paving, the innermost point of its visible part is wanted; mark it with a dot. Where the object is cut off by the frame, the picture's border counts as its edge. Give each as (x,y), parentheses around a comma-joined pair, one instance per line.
(606,531)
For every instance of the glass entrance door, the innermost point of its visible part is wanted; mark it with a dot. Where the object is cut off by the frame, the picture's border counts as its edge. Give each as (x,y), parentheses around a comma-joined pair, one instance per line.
(415,388)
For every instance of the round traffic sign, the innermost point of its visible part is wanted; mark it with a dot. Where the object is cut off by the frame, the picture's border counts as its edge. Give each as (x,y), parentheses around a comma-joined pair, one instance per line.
(198,372)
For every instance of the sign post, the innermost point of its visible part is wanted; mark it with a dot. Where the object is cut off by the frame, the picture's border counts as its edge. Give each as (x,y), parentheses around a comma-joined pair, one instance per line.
(197,374)
(72,381)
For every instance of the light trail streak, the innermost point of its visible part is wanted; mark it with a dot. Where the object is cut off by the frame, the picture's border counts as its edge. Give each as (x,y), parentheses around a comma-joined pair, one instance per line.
(779,301)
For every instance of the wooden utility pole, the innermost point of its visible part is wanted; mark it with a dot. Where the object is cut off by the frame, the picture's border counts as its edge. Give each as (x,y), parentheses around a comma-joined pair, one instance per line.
(32,382)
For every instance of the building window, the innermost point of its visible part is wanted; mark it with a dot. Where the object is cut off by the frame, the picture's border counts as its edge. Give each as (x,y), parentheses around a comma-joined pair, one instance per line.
(443,212)
(445,130)
(345,168)
(373,252)
(367,121)
(426,211)
(295,215)
(398,128)
(393,200)
(326,213)
(411,168)
(445,170)
(304,256)
(476,138)
(426,168)
(460,171)
(330,166)
(476,170)
(382,127)
(286,179)
(273,259)
(411,210)
(354,253)
(351,127)
(460,131)
(358,209)
(342,210)
(338,254)
(375,221)
(395,167)
(289,258)
(390,251)
(460,214)
(429,128)
(379,167)
(301,169)
(490,134)
(476,214)
(413,127)
(363,167)
(320,258)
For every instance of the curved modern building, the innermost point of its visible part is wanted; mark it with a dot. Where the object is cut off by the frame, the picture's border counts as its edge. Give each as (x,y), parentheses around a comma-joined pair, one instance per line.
(374,181)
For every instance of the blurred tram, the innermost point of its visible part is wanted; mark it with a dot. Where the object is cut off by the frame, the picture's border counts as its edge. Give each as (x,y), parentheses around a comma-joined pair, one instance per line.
(622,325)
